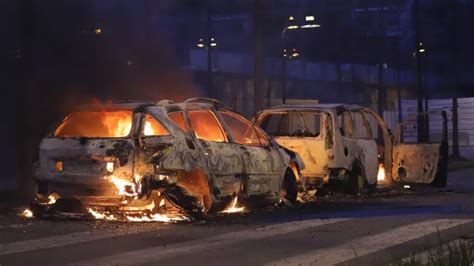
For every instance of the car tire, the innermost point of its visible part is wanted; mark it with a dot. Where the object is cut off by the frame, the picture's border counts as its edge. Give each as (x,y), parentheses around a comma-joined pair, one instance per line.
(356,181)
(290,187)
(181,199)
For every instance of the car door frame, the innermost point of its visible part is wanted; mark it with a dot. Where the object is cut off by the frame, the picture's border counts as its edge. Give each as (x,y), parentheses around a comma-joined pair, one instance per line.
(366,156)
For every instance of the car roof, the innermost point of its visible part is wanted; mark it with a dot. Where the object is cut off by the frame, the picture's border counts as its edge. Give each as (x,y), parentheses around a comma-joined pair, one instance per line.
(328,107)
(141,105)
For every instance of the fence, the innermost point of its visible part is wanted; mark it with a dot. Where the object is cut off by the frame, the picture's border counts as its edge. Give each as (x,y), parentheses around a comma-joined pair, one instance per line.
(465,119)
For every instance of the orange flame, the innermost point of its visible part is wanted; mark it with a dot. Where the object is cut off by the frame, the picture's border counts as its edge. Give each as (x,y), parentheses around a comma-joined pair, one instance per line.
(126,187)
(118,124)
(381,173)
(233,207)
(27,213)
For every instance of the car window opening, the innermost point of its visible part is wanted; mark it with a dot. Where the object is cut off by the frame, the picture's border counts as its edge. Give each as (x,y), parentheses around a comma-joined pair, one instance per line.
(295,124)
(206,126)
(151,127)
(242,131)
(96,124)
(178,119)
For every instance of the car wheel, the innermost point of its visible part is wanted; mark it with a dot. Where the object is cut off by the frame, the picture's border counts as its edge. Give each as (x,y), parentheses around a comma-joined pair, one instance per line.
(289,187)
(356,181)
(190,204)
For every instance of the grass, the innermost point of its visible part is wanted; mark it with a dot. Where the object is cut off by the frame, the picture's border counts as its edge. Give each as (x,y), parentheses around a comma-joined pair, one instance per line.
(455,253)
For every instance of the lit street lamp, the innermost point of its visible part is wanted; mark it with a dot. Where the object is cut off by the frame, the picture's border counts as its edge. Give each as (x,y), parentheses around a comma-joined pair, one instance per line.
(422,120)
(291,25)
(209,45)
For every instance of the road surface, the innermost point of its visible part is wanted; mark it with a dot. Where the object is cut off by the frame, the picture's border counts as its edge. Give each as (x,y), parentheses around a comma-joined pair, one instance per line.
(337,229)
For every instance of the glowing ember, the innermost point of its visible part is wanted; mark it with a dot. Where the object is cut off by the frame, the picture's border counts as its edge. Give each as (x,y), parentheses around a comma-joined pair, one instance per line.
(27,213)
(381,173)
(139,217)
(232,207)
(157,217)
(102,215)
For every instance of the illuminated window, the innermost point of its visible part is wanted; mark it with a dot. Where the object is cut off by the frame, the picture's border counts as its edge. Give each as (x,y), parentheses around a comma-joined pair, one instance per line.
(151,127)
(206,126)
(178,119)
(241,129)
(96,124)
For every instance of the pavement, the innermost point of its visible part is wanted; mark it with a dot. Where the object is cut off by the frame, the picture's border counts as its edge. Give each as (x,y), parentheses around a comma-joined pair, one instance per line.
(337,229)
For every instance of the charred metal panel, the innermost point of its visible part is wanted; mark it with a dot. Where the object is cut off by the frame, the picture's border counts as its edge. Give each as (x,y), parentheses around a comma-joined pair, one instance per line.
(311,150)
(256,185)
(416,163)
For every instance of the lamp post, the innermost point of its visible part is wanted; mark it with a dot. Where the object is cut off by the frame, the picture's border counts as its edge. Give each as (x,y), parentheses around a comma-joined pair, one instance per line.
(208,45)
(291,25)
(422,123)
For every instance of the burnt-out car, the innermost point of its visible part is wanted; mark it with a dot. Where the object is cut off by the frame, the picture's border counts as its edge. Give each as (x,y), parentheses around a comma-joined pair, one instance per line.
(340,144)
(196,155)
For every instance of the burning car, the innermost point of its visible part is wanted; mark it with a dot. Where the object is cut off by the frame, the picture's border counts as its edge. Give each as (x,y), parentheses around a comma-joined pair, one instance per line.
(339,143)
(196,156)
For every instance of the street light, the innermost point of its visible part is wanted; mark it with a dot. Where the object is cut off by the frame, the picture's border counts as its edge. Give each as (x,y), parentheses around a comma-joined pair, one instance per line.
(291,25)
(422,120)
(310,23)
(208,45)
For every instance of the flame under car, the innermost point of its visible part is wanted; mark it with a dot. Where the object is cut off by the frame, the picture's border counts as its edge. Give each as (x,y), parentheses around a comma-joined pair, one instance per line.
(195,156)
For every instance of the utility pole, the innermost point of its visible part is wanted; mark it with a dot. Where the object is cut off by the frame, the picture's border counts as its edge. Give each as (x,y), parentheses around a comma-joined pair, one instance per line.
(258,92)
(420,118)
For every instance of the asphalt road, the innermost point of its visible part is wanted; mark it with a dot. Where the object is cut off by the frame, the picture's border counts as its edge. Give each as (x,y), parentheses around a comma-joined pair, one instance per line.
(375,229)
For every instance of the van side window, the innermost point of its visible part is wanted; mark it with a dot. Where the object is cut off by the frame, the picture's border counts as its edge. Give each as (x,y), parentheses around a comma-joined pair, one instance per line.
(329,142)
(373,125)
(345,124)
(361,127)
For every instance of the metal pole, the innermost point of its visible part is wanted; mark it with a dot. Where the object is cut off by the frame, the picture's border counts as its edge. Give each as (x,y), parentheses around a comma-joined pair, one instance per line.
(210,86)
(399,100)
(416,54)
(284,62)
(258,92)
(456,153)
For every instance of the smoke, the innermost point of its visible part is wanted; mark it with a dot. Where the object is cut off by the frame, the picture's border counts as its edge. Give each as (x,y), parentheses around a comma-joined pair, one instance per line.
(73,66)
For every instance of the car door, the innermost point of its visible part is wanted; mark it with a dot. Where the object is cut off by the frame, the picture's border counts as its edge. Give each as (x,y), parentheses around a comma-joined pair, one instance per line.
(421,163)
(366,145)
(224,159)
(263,163)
